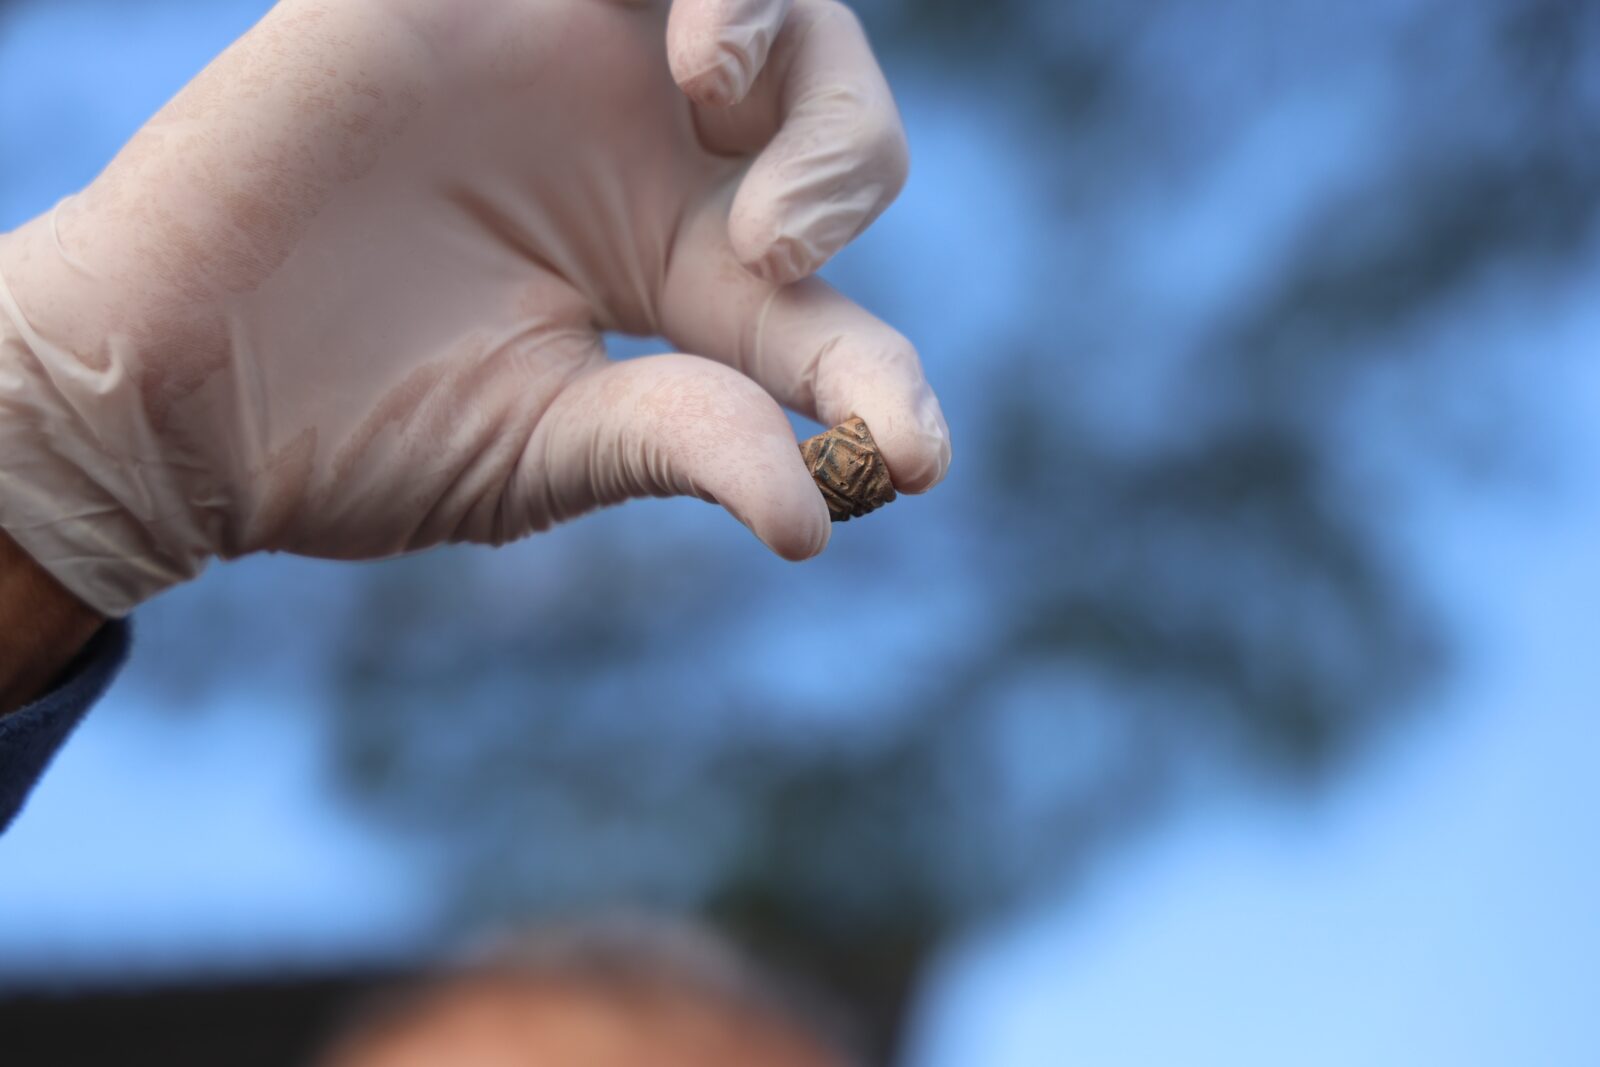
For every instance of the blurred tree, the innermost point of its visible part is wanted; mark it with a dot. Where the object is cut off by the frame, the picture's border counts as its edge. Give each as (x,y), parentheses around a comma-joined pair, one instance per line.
(1120,612)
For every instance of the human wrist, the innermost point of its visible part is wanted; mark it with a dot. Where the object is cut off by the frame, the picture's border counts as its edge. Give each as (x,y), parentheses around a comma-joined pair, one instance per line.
(43,627)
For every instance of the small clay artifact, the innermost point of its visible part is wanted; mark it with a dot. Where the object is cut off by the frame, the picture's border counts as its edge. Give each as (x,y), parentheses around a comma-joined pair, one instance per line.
(848,469)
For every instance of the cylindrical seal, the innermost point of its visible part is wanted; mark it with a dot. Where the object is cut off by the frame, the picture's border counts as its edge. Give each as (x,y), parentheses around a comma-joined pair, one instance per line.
(848,469)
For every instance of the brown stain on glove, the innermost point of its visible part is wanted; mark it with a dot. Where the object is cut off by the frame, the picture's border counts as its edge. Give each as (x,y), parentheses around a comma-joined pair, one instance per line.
(849,470)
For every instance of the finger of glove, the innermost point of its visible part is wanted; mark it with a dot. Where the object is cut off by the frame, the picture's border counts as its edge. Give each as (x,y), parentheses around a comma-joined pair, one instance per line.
(838,158)
(815,350)
(717,48)
(677,425)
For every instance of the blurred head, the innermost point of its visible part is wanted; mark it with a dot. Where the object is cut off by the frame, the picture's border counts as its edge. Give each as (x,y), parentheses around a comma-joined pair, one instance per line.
(623,993)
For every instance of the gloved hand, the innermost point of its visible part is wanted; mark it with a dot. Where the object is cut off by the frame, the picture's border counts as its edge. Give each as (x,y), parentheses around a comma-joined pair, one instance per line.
(343,296)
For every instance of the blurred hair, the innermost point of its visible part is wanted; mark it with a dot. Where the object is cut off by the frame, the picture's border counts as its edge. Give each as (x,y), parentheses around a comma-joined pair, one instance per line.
(625,953)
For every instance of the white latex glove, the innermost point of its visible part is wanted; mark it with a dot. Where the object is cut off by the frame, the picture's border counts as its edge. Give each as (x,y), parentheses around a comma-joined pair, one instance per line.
(343,296)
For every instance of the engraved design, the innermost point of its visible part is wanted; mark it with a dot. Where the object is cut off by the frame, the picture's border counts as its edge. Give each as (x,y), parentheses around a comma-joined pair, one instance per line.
(848,469)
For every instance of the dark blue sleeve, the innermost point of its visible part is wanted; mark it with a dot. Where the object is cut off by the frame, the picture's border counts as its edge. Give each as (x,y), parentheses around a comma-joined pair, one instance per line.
(30,738)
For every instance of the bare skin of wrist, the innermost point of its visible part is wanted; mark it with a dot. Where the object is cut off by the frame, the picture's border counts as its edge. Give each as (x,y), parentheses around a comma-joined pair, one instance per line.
(42,627)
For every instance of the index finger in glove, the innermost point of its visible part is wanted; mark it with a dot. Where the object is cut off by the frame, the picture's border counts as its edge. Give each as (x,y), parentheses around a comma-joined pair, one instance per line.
(833,152)
(813,349)
(717,48)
